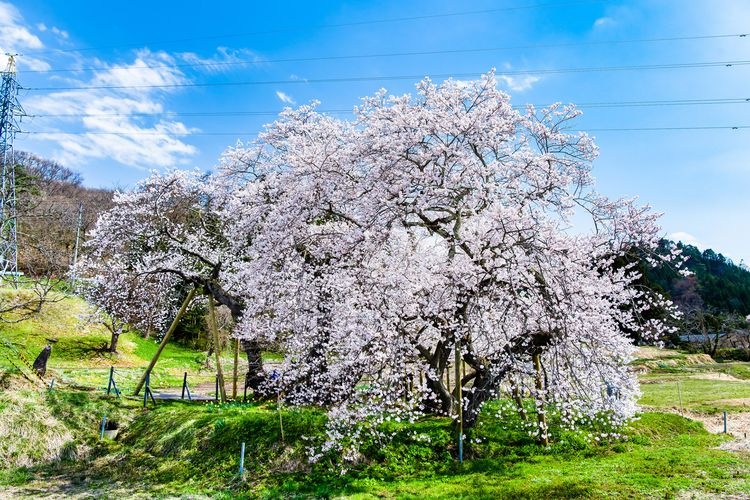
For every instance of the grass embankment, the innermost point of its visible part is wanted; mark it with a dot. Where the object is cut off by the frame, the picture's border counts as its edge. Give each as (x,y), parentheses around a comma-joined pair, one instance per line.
(681,381)
(179,448)
(79,355)
(49,441)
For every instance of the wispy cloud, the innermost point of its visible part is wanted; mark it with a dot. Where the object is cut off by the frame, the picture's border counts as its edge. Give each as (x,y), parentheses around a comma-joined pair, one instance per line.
(61,33)
(225,59)
(17,37)
(603,22)
(104,121)
(285,98)
(518,83)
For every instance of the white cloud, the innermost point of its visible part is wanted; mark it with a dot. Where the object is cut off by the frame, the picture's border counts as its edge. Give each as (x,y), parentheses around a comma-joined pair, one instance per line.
(57,31)
(14,36)
(604,22)
(103,124)
(285,98)
(149,68)
(518,83)
(41,27)
(686,238)
(225,59)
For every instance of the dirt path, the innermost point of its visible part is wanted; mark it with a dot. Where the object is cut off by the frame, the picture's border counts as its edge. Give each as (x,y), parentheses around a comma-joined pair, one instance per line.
(738,426)
(62,487)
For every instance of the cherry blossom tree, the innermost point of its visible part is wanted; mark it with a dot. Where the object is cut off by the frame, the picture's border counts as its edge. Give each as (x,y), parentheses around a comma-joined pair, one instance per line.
(121,298)
(433,228)
(169,225)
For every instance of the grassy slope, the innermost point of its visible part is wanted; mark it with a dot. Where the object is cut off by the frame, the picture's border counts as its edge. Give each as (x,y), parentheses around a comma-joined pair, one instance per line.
(180,448)
(183,449)
(78,356)
(675,380)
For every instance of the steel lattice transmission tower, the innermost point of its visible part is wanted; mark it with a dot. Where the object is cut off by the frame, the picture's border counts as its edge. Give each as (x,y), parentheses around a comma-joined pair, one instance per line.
(10,114)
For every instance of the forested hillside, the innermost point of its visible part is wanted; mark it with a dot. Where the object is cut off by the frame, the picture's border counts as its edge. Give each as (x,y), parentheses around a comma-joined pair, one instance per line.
(717,283)
(51,200)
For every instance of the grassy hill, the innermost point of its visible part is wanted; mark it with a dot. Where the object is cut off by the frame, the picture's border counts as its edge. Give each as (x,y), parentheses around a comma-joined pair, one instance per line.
(49,440)
(79,356)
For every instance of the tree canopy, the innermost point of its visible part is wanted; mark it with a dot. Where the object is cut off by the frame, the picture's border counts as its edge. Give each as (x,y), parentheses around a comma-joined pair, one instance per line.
(431,229)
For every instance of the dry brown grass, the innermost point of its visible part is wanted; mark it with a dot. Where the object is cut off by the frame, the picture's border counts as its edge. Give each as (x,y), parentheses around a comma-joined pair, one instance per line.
(29,433)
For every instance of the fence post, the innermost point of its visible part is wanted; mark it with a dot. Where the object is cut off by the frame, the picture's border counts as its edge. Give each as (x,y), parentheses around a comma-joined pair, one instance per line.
(725,421)
(104,424)
(242,459)
(109,383)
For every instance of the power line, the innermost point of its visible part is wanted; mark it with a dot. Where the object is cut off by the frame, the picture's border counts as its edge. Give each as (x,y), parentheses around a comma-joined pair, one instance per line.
(323,26)
(391,54)
(655,129)
(643,67)
(254,134)
(606,104)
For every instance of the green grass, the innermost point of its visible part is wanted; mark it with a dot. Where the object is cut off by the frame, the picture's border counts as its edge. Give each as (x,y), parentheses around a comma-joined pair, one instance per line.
(79,357)
(180,448)
(49,440)
(685,389)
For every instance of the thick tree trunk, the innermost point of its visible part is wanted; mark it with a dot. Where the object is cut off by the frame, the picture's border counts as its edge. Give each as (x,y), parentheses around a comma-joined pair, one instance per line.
(441,401)
(255,375)
(113,342)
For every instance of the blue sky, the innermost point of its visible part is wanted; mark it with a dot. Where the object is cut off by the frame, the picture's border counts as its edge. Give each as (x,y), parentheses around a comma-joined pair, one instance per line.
(698,177)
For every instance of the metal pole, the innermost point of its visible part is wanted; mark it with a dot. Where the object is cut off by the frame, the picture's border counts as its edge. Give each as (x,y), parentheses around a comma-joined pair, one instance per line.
(104,423)
(725,421)
(242,458)
(148,388)
(109,384)
(184,384)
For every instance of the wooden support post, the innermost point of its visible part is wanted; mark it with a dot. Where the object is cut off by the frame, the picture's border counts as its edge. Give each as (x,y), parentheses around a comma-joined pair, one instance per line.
(235,371)
(164,341)
(540,406)
(448,377)
(459,404)
(215,332)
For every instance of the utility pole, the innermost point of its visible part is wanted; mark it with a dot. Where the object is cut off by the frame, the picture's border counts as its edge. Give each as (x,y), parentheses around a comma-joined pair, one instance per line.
(78,237)
(10,114)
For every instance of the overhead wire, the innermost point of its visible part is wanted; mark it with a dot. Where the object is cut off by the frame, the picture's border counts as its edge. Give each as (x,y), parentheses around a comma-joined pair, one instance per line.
(171,134)
(256,61)
(605,104)
(323,26)
(541,71)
